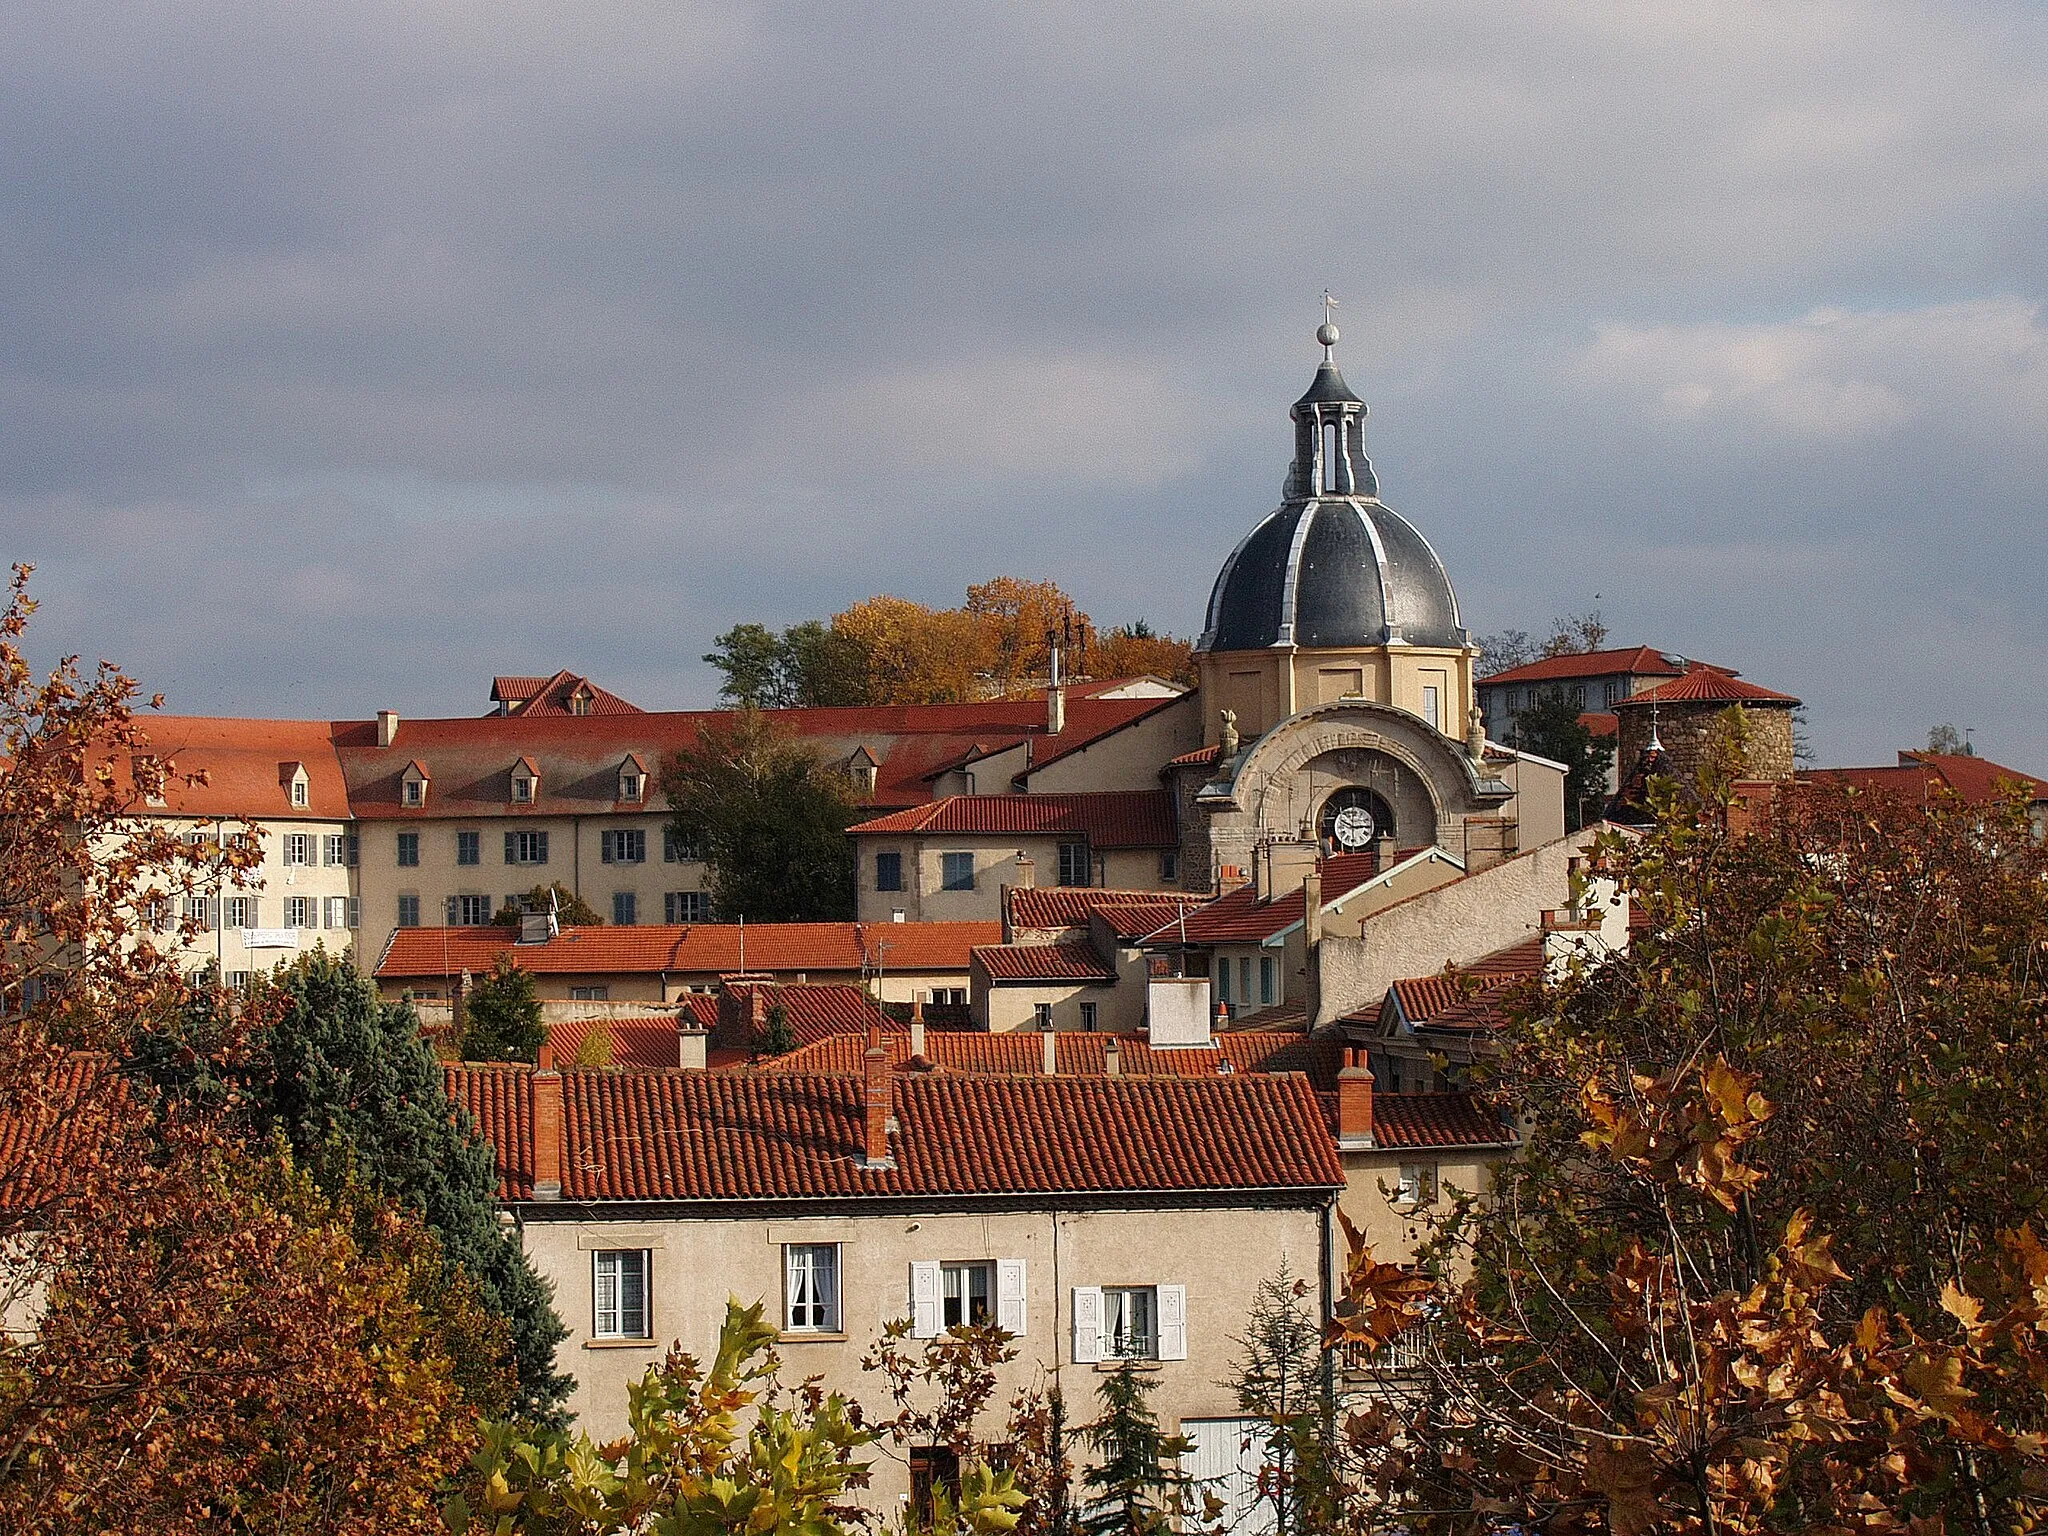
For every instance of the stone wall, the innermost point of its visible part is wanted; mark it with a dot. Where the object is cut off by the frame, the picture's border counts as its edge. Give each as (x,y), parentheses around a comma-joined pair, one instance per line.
(1687,730)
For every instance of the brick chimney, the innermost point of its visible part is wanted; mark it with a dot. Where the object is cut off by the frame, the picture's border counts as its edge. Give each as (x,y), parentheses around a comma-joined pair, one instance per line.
(1112,1058)
(1354,1102)
(387,727)
(875,1092)
(547,1127)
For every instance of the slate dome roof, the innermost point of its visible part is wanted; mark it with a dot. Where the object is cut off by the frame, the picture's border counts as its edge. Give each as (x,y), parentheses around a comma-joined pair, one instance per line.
(1334,567)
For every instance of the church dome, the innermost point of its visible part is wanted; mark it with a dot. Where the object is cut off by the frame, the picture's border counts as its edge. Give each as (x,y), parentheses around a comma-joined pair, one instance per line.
(1334,567)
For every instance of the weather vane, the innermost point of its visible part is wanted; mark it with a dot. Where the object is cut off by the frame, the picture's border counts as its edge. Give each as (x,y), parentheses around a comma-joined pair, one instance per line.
(1326,333)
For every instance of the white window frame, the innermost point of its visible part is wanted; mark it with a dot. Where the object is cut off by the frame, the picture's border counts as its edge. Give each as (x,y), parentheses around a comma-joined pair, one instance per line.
(595,994)
(1417,1185)
(334,850)
(1094,1323)
(238,912)
(415,792)
(811,1281)
(929,1282)
(335,912)
(613,1273)
(301,912)
(630,787)
(298,850)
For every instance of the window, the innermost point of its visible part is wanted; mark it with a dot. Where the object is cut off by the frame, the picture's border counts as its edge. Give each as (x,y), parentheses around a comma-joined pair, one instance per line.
(622,846)
(298,792)
(625,909)
(415,792)
(952,996)
(1073,863)
(1222,981)
(1088,1017)
(334,850)
(408,850)
(889,871)
(299,912)
(1610,693)
(1579,695)
(469,911)
(1418,1184)
(240,981)
(967,1294)
(934,1469)
(522,789)
(1266,970)
(469,847)
(1043,1013)
(1169,867)
(678,848)
(811,1287)
(408,911)
(1433,706)
(590,994)
(298,849)
(238,912)
(198,910)
(337,912)
(956,871)
(526,847)
(629,786)
(619,1294)
(1129,1322)
(685,907)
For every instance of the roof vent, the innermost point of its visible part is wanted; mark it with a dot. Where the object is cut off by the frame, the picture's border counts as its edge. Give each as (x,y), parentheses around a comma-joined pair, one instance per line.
(1672,659)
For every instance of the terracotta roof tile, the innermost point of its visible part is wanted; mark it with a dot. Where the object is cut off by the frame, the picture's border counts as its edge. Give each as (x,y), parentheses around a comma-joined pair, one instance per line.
(1070,906)
(1705,685)
(730,1136)
(499,1100)
(247,767)
(1403,1120)
(1201,757)
(691,949)
(816,1010)
(1239,917)
(1043,962)
(534,697)
(1141,818)
(1638,660)
(637,1039)
(1977,779)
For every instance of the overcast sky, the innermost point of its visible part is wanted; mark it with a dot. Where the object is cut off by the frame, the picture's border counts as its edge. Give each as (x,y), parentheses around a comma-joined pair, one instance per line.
(351,354)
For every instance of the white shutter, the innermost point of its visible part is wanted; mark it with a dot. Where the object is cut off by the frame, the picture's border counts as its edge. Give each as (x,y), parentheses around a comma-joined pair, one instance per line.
(1087,1324)
(1173,1322)
(924,1299)
(1010,1296)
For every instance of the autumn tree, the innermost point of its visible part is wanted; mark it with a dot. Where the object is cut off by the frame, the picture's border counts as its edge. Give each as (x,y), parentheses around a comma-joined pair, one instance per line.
(1769,1259)
(1135,651)
(571,910)
(770,818)
(920,655)
(502,1015)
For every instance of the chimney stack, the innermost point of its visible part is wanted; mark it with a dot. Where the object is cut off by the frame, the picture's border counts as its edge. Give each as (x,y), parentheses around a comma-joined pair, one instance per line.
(458,1010)
(387,727)
(1312,906)
(1222,1024)
(1354,1102)
(547,1127)
(1051,1041)
(916,1027)
(1112,1058)
(875,1090)
(693,1045)
(1027,872)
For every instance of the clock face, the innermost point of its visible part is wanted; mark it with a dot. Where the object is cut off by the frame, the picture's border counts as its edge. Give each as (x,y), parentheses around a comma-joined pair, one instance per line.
(1353,827)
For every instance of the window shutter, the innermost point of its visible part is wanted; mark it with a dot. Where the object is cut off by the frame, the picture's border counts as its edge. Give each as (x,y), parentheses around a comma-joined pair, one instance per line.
(1087,1324)
(1173,1322)
(509,850)
(604,847)
(924,1299)
(451,912)
(1010,1296)
(541,838)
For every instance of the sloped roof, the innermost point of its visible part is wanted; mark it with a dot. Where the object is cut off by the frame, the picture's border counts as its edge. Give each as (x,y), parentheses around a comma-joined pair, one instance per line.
(1917,775)
(1043,962)
(248,767)
(1638,660)
(1021,1053)
(1705,685)
(695,948)
(1239,917)
(1070,906)
(1135,818)
(816,1010)
(1404,1120)
(532,697)
(747,1136)
(1199,758)
(637,1039)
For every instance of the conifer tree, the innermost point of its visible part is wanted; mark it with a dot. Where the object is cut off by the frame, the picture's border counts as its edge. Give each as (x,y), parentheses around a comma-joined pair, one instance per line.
(504,1022)
(1280,1385)
(776,1038)
(1137,1487)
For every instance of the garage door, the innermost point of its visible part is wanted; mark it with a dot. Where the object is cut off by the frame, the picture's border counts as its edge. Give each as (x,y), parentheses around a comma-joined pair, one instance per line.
(1225,1460)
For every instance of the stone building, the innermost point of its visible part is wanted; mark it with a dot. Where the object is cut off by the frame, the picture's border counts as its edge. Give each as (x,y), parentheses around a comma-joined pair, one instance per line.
(1680,718)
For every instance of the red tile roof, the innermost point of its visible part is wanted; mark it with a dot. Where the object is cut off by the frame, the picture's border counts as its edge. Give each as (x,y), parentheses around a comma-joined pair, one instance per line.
(1636,660)
(1977,779)
(1404,1120)
(1043,962)
(1601,723)
(1134,818)
(1134,920)
(532,697)
(1239,917)
(637,1040)
(247,764)
(1070,906)
(749,1136)
(698,949)
(1199,758)
(579,756)
(1705,685)
(816,1011)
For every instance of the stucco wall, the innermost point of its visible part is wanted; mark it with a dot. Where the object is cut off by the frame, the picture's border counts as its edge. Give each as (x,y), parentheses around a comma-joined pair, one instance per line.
(1219,1255)
(269,886)
(1125,759)
(1457,922)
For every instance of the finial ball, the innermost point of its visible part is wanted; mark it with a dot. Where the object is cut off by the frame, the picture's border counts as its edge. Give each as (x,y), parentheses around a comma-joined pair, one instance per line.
(1326,333)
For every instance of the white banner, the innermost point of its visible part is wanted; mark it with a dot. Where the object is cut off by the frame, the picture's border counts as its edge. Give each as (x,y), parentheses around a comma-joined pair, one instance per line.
(270,938)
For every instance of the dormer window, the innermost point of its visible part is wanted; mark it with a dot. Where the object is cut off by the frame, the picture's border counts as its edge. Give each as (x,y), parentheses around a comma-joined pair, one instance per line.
(412,786)
(579,702)
(525,782)
(863,770)
(632,780)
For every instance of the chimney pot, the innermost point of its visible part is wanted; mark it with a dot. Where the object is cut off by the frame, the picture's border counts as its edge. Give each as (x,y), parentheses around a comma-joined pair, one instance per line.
(693,1047)
(916,1030)
(1027,872)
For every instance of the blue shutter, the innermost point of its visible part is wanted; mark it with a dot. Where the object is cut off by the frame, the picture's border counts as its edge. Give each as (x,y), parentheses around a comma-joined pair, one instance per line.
(510,856)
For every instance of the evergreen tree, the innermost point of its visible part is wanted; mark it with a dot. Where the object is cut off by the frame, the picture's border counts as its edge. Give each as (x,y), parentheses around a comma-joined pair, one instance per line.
(1550,727)
(504,1022)
(776,1037)
(349,1082)
(1280,1383)
(1138,1487)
